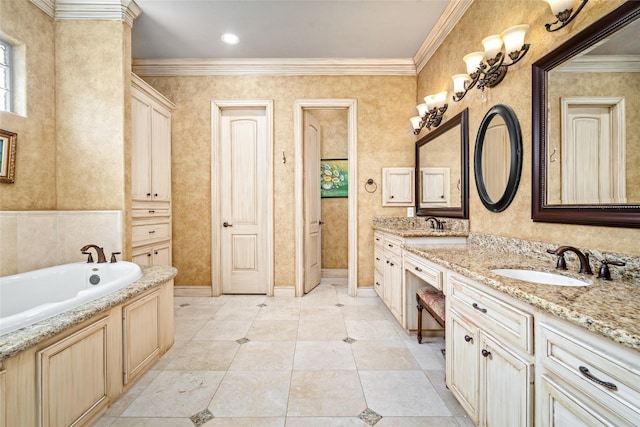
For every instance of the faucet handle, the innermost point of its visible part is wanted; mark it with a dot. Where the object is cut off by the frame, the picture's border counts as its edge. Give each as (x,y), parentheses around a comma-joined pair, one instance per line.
(113,256)
(561,263)
(90,258)
(604,272)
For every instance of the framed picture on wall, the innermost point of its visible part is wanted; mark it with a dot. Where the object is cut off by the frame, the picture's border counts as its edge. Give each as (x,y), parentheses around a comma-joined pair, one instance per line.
(7,155)
(334,178)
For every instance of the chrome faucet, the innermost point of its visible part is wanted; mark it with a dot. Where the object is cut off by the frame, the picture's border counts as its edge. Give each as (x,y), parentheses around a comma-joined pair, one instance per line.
(585,267)
(99,252)
(439,225)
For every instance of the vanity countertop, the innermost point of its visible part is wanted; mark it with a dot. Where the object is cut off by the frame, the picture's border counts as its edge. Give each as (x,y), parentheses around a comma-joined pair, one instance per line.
(22,339)
(407,232)
(609,308)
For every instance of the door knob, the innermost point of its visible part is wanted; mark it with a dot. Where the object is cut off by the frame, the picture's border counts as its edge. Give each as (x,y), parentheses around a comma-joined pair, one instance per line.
(226,224)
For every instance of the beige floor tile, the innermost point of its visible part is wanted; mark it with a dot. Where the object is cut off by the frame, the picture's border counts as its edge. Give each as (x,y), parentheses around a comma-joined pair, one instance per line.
(231,311)
(204,356)
(383,355)
(273,330)
(320,312)
(365,312)
(428,355)
(130,395)
(246,422)
(175,394)
(224,330)
(437,380)
(325,422)
(327,329)
(186,329)
(152,422)
(279,312)
(418,422)
(372,329)
(401,393)
(325,393)
(264,356)
(323,355)
(252,394)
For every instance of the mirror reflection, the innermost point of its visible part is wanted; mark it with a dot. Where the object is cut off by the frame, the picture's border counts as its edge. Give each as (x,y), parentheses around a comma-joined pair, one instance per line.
(442,170)
(496,158)
(593,147)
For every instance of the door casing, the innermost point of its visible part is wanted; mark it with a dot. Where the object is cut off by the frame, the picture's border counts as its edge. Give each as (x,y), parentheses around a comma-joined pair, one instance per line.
(352,140)
(217,106)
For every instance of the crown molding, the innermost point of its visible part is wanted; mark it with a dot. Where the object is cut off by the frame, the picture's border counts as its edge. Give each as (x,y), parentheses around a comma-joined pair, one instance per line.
(274,67)
(449,18)
(104,10)
(47,6)
(602,64)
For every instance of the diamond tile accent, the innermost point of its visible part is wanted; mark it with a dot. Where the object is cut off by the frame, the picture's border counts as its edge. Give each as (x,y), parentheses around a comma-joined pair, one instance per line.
(202,417)
(243,340)
(370,416)
(339,305)
(262,305)
(350,340)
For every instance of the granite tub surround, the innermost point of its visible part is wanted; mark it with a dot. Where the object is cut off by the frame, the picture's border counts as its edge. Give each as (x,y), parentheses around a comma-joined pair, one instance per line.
(25,338)
(419,227)
(609,308)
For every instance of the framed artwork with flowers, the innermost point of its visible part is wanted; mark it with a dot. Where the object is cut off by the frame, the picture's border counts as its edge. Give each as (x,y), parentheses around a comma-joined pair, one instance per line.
(334,178)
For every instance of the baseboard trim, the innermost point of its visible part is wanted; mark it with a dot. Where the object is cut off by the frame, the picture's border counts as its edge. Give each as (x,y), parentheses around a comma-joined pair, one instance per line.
(192,291)
(284,291)
(366,291)
(335,273)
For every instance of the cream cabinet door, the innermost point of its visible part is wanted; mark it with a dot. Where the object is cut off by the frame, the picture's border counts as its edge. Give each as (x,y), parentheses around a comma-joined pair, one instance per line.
(140,146)
(398,186)
(160,155)
(463,362)
(141,339)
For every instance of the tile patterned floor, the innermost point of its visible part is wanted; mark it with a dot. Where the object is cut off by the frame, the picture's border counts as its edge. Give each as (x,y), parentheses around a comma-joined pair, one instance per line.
(326,359)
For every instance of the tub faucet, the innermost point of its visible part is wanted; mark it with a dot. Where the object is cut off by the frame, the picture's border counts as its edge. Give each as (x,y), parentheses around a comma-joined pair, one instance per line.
(439,225)
(99,252)
(585,267)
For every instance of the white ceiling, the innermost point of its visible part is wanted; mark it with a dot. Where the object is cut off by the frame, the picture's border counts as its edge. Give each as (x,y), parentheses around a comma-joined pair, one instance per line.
(371,29)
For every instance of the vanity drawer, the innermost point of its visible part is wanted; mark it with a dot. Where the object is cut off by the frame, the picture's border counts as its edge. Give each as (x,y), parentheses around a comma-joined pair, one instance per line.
(393,245)
(492,314)
(144,233)
(378,239)
(378,257)
(564,352)
(424,271)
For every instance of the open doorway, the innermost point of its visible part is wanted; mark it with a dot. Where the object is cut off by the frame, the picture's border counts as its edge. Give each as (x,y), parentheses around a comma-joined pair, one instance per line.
(336,119)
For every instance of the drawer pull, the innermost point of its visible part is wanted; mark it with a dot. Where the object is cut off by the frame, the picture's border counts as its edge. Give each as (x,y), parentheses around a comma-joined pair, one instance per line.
(477,307)
(377,239)
(377,284)
(152,231)
(586,373)
(486,353)
(419,269)
(152,211)
(377,259)
(390,245)
(467,338)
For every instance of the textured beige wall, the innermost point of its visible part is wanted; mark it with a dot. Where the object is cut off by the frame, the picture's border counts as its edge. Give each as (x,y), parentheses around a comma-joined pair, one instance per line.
(335,211)
(384,139)
(484,18)
(596,84)
(32,30)
(91,77)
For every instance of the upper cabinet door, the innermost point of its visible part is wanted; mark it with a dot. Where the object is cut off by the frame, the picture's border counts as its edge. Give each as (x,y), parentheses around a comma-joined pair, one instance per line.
(140,147)
(160,155)
(397,186)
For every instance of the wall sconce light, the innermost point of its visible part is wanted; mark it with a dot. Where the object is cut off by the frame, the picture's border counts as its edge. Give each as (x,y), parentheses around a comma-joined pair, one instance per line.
(430,113)
(492,72)
(563,9)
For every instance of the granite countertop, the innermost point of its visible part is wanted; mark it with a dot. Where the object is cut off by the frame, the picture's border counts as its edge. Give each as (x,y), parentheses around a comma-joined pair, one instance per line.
(22,339)
(420,232)
(609,308)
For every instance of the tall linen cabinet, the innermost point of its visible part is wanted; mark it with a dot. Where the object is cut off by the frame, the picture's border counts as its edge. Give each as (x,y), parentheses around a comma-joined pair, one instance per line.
(150,175)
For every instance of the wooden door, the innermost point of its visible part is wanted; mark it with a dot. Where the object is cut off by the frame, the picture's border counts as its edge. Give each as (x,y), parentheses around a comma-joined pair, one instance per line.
(243,201)
(312,232)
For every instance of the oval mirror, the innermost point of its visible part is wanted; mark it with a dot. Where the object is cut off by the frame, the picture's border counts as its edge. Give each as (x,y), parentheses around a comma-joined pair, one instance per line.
(498,158)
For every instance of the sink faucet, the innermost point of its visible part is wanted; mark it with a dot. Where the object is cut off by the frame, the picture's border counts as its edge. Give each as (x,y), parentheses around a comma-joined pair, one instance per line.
(439,225)
(99,252)
(585,267)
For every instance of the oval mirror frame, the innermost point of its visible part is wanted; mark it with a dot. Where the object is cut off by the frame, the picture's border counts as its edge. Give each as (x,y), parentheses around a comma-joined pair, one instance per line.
(614,215)
(515,165)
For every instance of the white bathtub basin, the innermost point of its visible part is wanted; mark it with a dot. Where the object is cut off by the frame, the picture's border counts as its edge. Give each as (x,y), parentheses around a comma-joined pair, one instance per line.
(541,277)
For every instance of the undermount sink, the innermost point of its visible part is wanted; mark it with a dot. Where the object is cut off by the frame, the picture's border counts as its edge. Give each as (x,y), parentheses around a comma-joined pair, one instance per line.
(541,277)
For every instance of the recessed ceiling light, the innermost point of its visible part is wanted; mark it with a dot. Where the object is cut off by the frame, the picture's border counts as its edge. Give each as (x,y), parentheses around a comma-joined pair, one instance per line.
(229,38)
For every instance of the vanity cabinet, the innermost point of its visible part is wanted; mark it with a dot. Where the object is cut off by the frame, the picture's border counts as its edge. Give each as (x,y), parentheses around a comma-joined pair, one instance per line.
(581,380)
(3,411)
(388,274)
(398,186)
(489,354)
(141,335)
(150,172)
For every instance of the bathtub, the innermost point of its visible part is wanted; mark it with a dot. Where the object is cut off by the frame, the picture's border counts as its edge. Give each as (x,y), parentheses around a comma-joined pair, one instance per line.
(30,297)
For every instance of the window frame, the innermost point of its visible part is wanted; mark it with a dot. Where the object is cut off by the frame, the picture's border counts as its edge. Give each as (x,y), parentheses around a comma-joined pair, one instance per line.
(9,66)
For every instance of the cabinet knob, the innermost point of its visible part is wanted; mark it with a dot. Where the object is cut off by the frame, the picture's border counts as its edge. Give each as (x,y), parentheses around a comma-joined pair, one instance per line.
(155,252)
(149,254)
(419,269)
(148,194)
(155,195)
(486,353)
(467,338)
(392,264)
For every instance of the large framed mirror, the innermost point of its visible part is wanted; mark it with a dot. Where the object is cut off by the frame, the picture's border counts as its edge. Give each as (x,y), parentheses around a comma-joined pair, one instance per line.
(586,134)
(442,169)
(498,158)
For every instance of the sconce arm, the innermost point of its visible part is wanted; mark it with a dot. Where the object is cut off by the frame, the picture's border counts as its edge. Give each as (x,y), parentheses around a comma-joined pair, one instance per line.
(565,17)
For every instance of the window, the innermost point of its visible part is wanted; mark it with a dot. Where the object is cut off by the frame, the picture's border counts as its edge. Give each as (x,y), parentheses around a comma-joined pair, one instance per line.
(6,76)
